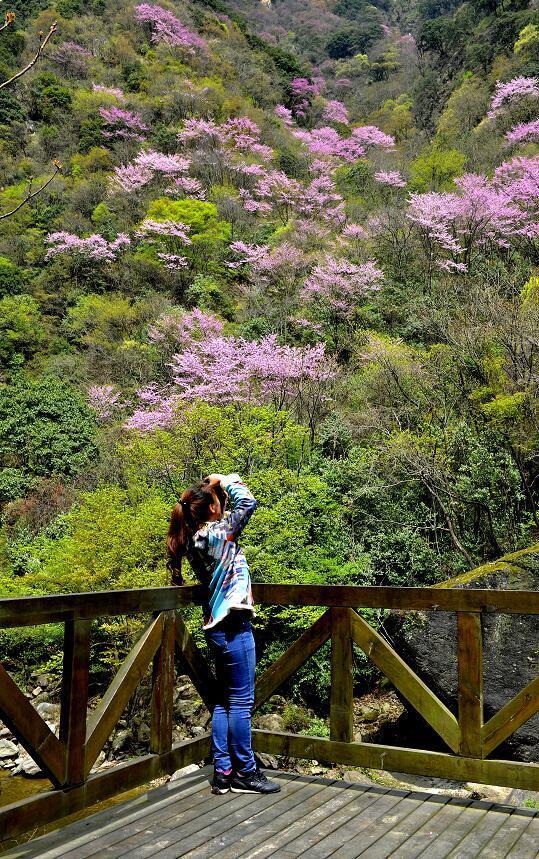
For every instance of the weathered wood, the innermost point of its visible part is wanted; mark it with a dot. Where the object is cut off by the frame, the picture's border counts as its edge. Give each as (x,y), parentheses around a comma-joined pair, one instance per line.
(29,611)
(103,719)
(341,713)
(31,730)
(422,699)
(74,702)
(470,679)
(193,663)
(395,759)
(296,655)
(47,807)
(510,718)
(426,599)
(163,689)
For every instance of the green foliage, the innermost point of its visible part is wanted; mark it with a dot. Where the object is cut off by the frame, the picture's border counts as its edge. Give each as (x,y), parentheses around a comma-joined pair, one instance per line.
(45,428)
(109,541)
(21,327)
(435,168)
(11,277)
(201,217)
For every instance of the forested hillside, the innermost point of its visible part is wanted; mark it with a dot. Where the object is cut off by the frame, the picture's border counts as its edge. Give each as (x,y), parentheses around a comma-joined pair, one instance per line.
(294,240)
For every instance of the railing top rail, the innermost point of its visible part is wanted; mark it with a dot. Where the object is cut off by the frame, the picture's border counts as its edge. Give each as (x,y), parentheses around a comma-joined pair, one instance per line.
(30,611)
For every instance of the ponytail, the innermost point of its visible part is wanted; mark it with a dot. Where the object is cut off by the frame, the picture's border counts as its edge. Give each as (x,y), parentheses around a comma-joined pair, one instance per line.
(187,516)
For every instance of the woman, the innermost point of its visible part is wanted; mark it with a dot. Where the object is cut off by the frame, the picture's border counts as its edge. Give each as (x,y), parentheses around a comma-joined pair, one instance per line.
(203,532)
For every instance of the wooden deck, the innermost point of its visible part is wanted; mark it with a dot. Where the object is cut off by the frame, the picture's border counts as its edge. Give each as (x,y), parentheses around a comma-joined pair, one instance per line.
(311,817)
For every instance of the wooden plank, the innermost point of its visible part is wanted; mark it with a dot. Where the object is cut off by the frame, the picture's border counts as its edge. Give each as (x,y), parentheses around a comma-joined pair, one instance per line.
(106,839)
(422,699)
(194,663)
(387,834)
(341,713)
(452,836)
(46,807)
(510,718)
(29,611)
(506,837)
(81,835)
(74,701)
(526,846)
(31,730)
(274,817)
(470,680)
(103,719)
(219,818)
(332,800)
(423,838)
(162,704)
(131,832)
(308,827)
(482,834)
(426,599)
(395,759)
(360,820)
(295,656)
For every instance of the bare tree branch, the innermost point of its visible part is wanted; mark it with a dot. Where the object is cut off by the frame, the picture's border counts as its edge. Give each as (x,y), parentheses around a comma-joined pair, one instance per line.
(42,44)
(31,194)
(9,20)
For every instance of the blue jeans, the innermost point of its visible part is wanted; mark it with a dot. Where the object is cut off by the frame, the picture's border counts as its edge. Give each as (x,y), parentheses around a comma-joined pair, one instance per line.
(232,644)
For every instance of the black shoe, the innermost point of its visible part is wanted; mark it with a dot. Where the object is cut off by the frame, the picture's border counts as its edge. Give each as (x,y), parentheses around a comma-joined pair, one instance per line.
(221,782)
(255,782)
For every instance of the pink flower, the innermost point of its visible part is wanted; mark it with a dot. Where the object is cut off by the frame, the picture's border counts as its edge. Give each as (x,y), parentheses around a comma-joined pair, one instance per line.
(106,90)
(174,229)
(167,29)
(391,177)
(285,114)
(513,90)
(335,111)
(525,132)
(94,247)
(123,123)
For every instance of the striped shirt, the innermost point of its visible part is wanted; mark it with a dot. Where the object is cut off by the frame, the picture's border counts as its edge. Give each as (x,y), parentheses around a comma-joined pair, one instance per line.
(219,562)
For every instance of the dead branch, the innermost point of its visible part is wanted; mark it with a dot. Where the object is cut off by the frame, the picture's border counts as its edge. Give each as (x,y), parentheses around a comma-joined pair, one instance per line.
(42,45)
(31,194)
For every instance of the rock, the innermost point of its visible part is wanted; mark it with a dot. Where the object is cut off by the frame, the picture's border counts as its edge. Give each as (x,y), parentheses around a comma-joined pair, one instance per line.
(357,777)
(43,680)
(27,767)
(121,739)
(490,792)
(268,761)
(190,768)
(37,691)
(8,749)
(187,690)
(143,733)
(428,642)
(5,732)
(271,722)
(368,714)
(278,702)
(197,730)
(187,710)
(99,762)
(357,737)
(48,711)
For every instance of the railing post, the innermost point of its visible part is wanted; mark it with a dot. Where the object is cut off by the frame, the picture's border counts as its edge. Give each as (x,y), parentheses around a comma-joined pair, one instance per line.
(74,703)
(342,682)
(163,688)
(470,676)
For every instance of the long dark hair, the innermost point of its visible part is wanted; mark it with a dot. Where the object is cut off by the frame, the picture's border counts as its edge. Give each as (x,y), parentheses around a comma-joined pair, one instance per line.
(188,514)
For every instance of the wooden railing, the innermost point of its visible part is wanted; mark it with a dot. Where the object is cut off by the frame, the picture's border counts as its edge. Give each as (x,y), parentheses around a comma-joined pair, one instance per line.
(67,759)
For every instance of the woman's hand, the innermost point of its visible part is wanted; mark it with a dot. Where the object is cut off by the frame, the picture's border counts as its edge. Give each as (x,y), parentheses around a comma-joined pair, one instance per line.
(215,479)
